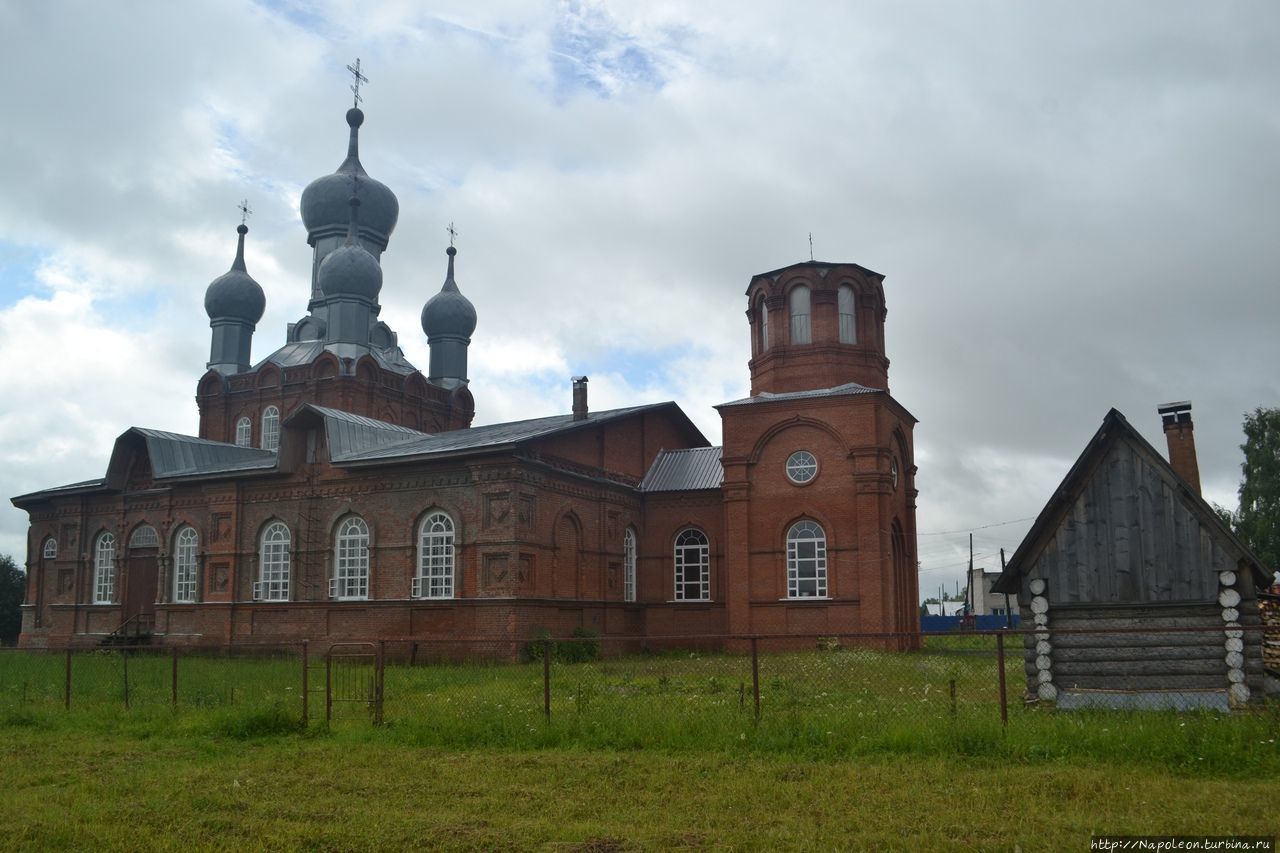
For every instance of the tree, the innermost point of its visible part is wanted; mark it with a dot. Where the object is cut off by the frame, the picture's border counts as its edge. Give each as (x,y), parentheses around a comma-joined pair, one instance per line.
(1258,521)
(13,582)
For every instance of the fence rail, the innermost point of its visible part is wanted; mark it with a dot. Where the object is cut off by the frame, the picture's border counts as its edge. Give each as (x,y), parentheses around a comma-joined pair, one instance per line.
(500,690)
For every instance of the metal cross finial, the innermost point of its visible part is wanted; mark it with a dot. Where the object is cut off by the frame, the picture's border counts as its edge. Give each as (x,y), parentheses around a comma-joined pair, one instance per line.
(810,245)
(359,78)
(245,211)
(453,232)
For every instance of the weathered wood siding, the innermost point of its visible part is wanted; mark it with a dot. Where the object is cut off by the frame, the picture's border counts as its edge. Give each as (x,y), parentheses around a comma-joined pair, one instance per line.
(1130,537)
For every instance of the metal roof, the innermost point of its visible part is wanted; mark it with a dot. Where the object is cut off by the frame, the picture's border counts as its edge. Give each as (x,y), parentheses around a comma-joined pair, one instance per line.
(684,470)
(495,435)
(350,436)
(174,455)
(847,389)
(305,352)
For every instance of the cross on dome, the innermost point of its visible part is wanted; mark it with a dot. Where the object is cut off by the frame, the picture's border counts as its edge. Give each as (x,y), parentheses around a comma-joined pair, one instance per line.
(358,79)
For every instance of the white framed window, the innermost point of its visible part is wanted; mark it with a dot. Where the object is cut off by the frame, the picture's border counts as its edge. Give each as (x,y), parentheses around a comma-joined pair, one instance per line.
(802,466)
(806,560)
(693,566)
(144,537)
(50,551)
(800,333)
(270,428)
(435,557)
(350,561)
(273,564)
(629,565)
(185,544)
(763,310)
(244,432)
(848,316)
(104,569)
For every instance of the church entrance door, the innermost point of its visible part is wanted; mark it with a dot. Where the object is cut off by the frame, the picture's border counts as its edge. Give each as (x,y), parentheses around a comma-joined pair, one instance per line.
(140,583)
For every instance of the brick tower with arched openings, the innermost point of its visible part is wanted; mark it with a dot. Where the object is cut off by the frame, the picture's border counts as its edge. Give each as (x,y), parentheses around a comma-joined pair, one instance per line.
(819,474)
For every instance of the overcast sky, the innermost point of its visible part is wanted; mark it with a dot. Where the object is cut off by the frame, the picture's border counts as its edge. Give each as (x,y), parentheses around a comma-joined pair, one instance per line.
(1074,203)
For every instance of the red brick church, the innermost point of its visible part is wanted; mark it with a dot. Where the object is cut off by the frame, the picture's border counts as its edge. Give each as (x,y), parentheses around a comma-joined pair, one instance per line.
(335,491)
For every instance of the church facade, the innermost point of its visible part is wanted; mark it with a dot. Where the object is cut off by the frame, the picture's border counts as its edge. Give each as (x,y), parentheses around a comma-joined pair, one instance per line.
(337,492)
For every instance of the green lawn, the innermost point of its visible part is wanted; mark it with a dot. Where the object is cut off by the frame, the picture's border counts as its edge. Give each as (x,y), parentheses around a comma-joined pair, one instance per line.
(853,748)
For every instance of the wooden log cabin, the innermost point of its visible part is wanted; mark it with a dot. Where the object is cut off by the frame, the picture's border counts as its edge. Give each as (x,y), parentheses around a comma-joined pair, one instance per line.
(1137,595)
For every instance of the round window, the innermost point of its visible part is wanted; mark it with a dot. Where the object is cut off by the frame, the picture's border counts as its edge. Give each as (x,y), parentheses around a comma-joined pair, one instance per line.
(893,471)
(802,466)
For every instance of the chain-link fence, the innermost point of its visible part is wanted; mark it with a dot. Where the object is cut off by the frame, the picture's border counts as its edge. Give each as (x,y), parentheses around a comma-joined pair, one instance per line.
(150,677)
(820,691)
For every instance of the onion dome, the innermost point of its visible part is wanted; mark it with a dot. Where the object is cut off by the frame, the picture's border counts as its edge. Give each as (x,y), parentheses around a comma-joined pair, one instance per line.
(234,295)
(350,270)
(449,313)
(324,201)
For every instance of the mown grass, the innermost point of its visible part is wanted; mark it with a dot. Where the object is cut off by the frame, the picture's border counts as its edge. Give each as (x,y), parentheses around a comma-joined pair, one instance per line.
(330,790)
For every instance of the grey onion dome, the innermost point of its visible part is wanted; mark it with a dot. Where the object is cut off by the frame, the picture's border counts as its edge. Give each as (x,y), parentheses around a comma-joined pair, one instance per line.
(449,313)
(234,295)
(324,201)
(350,270)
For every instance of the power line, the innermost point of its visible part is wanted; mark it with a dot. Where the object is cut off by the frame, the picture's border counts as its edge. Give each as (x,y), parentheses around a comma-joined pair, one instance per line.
(979,527)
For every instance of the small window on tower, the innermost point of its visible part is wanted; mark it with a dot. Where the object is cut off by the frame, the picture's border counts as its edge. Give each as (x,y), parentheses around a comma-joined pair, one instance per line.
(802,466)
(763,310)
(800,333)
(244,432)
(848,317)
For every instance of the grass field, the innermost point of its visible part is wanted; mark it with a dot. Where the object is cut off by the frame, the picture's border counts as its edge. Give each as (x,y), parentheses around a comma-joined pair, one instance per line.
(853,748)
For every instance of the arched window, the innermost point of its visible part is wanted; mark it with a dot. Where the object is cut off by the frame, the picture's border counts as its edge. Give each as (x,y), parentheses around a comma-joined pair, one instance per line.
(144,536)
(693,566)
(270,428)
(435,558)
(806,561)
(629,565)
(800,333)
(763,310)
(350,560)
(273,564)
(104,569)
(848,316)
(184,565)
(244,432)
(50,551)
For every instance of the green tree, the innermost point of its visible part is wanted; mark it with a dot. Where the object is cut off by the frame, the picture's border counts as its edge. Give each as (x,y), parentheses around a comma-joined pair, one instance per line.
(13,582)
(1258,522)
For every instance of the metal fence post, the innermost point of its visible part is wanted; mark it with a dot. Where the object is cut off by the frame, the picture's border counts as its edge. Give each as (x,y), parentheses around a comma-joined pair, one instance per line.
(1004,701)
(379,671)
(306,695)
(328,687)
(66,691)
(173,690)
(124,659)
(755,675)
(546,679)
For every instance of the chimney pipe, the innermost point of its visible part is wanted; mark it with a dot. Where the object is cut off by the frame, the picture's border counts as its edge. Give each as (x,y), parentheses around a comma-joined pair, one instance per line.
(579,398)
(1178,431)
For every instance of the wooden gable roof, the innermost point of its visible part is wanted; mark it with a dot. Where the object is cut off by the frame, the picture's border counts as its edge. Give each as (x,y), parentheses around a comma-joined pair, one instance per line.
(1075,497)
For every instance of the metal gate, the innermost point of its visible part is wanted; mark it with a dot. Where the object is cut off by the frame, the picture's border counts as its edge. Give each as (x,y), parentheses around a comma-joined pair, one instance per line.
(353,673)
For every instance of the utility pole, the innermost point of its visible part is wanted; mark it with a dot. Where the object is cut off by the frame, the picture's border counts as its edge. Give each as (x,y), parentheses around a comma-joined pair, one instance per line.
(1008,614)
